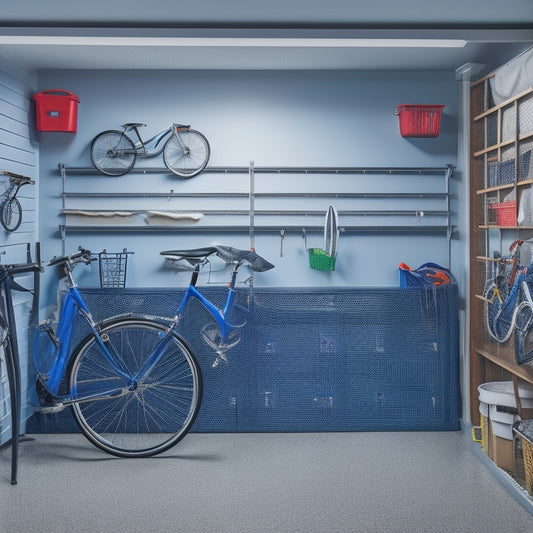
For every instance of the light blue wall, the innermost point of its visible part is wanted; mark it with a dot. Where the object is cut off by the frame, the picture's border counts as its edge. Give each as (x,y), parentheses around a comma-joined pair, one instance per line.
(271,118)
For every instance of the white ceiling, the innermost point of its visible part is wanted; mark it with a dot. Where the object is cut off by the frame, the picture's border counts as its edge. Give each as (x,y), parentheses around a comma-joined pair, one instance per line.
(222,34)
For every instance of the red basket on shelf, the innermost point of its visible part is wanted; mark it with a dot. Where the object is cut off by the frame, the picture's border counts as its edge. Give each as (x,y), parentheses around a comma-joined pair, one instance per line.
(419,120)
(56,110)
(505,213)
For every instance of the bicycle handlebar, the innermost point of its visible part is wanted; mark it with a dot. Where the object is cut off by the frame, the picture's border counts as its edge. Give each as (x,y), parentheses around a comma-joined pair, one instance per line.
(81,256)
(18,177)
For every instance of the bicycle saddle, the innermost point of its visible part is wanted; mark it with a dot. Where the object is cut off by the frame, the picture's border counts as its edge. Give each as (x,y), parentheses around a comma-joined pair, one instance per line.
(226,253)
(194,254)
(254,260)
(133,125)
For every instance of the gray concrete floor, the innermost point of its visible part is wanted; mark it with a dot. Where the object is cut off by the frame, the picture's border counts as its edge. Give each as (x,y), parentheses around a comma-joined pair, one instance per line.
(297,482)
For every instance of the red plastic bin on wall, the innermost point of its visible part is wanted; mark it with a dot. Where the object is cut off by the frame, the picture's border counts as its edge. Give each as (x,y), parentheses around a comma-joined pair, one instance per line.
(419,120)
(505,213)
(56,110)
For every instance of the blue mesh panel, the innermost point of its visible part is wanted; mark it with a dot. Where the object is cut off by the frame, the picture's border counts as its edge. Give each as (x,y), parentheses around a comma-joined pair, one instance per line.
(318,359)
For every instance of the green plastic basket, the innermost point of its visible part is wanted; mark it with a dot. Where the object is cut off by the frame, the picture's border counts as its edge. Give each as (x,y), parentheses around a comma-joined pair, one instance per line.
(321,260)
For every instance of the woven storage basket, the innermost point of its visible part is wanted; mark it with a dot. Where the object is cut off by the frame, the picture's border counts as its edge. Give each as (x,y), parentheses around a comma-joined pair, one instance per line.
(528,464)
(485,434)
(524,428)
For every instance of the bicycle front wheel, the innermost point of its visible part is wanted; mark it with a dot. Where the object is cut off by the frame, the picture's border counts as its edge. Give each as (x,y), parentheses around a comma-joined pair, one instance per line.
(147,417)
(186,153)
(113,153)
(11,214)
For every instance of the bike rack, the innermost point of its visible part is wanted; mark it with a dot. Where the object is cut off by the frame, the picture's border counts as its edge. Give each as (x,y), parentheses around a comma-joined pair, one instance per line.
(12,354)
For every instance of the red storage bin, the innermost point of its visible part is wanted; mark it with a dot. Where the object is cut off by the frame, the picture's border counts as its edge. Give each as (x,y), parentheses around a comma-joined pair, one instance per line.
(505,213)
(56,110)
(419,120)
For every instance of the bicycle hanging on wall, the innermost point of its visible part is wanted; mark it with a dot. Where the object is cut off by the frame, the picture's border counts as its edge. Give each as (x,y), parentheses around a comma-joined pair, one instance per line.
(10,208)
(185,151)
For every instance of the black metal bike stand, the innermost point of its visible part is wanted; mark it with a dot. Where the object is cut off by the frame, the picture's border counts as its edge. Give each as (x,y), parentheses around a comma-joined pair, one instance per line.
(13,376)
(7,284)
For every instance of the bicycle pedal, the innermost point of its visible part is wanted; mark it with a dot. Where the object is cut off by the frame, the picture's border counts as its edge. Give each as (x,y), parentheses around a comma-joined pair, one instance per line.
(219,358)
(50,409)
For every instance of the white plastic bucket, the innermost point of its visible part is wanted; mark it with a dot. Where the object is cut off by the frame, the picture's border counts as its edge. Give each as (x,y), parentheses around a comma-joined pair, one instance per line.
(502,420)
(502,393)
(497,402)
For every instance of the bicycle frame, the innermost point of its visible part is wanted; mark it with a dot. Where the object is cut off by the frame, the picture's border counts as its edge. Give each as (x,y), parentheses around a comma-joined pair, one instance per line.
(74,305)
(153,146)
(219,315)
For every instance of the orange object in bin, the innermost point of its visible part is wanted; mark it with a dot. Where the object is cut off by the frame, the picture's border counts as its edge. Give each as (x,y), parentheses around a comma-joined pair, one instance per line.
(419,120)
(56,110)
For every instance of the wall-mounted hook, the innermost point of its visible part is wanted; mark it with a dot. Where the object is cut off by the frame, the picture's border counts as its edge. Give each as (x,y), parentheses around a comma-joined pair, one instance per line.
(418,215)
(170,195)
(282,235)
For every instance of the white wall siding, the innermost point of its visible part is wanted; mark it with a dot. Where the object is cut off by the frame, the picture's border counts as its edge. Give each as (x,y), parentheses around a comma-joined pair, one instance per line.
(18,154)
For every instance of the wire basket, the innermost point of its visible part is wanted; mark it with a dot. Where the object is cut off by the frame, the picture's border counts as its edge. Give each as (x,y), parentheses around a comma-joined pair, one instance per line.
(419,120)
(113,268)
(321,260)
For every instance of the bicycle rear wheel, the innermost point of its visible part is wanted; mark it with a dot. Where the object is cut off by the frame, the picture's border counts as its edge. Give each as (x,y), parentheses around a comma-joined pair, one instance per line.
(186,153)
(524,333)
(113,153)
(10,214)
(149,417)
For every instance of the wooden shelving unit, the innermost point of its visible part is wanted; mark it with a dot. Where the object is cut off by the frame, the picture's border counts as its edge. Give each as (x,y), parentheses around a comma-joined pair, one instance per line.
(501,170)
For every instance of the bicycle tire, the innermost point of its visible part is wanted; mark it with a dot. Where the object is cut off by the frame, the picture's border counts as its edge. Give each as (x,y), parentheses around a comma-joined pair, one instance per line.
(524,333)
(4,329)
(499,330)
(11,214)
(154,416)
(113,153)
(188,156)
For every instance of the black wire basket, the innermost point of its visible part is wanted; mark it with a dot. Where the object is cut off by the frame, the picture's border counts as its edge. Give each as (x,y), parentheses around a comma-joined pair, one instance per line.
(113,268)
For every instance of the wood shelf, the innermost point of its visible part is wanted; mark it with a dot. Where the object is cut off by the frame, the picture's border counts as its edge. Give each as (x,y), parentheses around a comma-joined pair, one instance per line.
(494,131)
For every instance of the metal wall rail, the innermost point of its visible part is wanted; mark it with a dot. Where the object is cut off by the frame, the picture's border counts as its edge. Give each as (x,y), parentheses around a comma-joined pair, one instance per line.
(283,212)
(443,172)
(274,170)
(272,228)
(173,194)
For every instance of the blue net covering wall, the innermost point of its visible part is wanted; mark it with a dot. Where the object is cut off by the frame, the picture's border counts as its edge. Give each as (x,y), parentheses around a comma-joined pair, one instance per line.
(354,359)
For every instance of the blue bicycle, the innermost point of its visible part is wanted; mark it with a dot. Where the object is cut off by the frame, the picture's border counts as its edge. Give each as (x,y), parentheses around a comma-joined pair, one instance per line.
(133,383)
